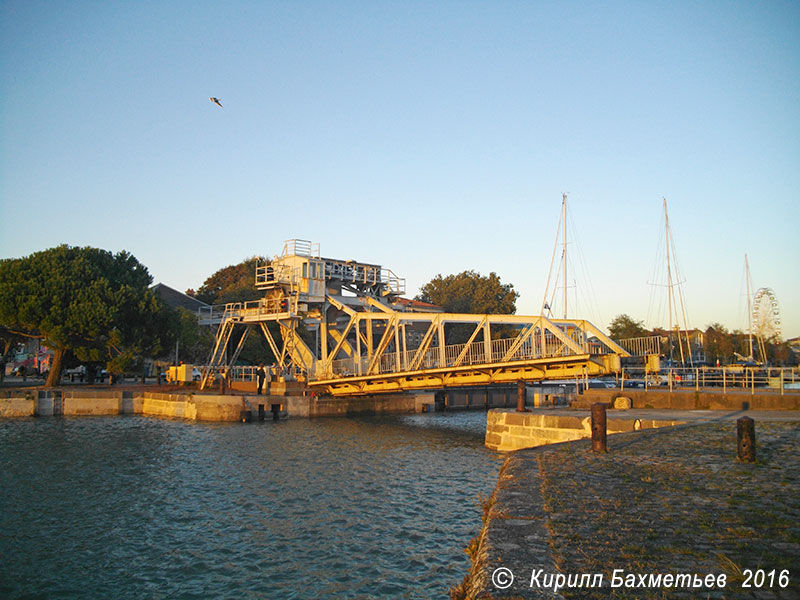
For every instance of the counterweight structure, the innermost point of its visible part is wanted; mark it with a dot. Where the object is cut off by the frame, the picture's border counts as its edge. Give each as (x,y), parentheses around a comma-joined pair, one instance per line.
(343,328)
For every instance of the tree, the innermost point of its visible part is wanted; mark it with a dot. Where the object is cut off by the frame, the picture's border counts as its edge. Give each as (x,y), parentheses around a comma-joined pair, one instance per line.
(234,283)
(195,341)
(624,327)
(85,301)
(470,292)
(8,341)
(718,344)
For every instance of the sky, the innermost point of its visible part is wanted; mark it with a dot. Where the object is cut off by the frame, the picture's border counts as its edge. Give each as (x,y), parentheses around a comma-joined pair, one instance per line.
(428,137)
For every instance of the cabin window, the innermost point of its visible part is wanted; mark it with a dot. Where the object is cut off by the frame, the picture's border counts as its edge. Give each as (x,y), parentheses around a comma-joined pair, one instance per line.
(305,270)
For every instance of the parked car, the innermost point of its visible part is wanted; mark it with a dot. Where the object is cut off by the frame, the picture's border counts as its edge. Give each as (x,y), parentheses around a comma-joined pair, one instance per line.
(81,373)
(600,384)
(23,371)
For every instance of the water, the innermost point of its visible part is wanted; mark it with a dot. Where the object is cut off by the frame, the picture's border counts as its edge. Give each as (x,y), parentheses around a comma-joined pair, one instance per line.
(137,507)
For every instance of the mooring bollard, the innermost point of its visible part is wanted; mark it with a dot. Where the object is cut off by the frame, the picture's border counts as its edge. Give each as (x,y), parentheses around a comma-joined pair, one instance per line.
(746,434)
(276,411)
(521,393)
(599,427)
(260,412)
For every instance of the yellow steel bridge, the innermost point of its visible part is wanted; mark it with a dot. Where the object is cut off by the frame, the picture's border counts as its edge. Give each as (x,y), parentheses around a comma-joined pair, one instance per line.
(358,337)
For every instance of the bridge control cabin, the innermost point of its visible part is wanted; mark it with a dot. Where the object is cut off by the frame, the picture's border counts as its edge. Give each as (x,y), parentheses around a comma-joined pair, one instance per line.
(301,273)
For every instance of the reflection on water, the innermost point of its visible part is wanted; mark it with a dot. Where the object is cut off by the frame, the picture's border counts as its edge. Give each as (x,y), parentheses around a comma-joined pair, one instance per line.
(374,507)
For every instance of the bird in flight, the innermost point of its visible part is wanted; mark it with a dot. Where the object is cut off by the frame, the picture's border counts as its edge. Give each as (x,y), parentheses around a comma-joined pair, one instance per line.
(216,101)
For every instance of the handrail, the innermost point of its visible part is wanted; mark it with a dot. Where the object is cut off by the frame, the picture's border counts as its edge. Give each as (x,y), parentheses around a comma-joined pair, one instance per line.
(731,377)
(640,346)
(530,349)
(296,247)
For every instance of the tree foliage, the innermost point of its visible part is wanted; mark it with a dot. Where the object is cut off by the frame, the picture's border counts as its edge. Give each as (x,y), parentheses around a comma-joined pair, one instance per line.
(625,327)
(234,283)
(732,347)
(85,301)
(470,292)
(195,341)
(718,344)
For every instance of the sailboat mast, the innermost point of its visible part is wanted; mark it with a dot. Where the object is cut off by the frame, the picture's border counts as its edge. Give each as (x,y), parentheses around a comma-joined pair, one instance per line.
(671,298)
(749,309)
(564,252)
(669,264)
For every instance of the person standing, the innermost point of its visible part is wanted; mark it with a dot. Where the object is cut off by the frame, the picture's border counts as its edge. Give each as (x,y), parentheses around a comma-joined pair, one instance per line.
(261,374)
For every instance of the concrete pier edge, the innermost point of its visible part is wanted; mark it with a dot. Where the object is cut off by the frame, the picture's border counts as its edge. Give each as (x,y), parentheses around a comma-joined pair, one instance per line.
(517,534)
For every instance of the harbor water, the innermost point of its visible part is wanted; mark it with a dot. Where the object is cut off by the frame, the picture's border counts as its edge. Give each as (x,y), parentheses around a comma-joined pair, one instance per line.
(138,507)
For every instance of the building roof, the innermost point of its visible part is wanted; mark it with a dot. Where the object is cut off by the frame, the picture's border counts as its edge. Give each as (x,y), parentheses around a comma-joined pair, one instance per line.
(417,305)
(177,299)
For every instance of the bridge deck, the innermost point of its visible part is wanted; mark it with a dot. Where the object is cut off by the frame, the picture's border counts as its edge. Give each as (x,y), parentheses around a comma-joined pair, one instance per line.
(532,369)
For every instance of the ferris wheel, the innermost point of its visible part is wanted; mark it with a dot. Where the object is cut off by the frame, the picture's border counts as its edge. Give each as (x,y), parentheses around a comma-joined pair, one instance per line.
(766,314)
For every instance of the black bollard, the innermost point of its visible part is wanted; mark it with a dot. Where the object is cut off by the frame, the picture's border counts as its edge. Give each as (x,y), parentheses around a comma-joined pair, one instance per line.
(746,432)
(599,434)
(276,412)
(521,393)
(260,412)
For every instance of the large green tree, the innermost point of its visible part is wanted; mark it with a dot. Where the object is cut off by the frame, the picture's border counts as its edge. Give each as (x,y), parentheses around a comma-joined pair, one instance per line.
(625,327)
(195,341)
(86,302)
(470,292)
(234,283)
(718,344)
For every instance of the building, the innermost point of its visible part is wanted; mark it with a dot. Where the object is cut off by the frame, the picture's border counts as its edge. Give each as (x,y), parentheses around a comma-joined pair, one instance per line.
(175,299)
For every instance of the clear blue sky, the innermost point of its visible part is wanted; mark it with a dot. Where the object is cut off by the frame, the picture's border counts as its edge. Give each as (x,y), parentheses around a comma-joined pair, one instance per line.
(430,137)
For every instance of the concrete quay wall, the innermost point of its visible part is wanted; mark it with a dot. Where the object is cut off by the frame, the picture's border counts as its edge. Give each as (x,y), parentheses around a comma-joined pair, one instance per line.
(508,430)
(223,408)
(17,406)
(86,402)
(291,400)
(693,399)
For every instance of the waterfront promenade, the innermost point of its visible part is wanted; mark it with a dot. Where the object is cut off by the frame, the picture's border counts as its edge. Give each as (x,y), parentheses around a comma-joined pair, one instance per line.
(663,501)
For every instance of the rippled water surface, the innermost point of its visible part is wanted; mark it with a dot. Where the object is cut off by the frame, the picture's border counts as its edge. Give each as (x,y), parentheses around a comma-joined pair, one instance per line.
(123,507)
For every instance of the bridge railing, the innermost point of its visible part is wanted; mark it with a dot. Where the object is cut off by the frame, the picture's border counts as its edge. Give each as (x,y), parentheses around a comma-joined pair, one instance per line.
(297,247)
(475,355)
(641,346)
(275,273)
(733,378)
(253,308)
(393,283)
(211,313)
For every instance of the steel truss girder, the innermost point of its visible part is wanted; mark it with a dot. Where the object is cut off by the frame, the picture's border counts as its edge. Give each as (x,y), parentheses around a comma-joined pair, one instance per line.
(561,330)
(552,368)
(553,348)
